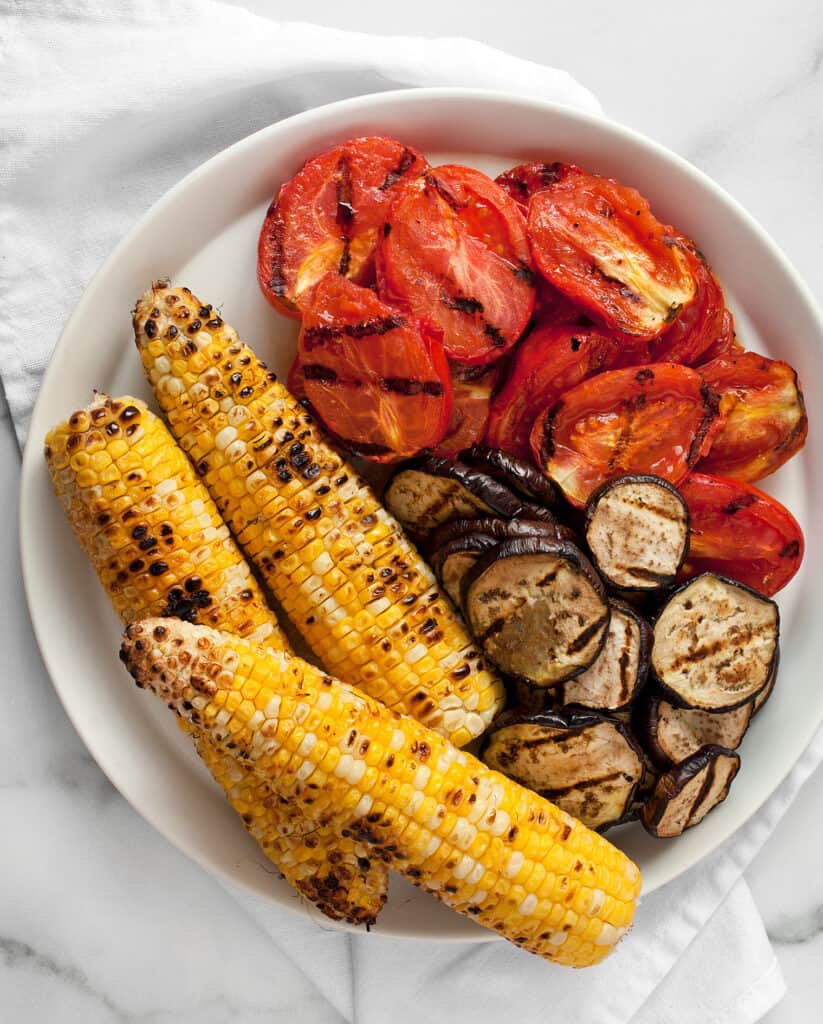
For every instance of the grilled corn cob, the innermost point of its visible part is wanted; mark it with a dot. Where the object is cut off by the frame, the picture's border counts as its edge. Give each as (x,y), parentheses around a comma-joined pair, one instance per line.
(160,548)
(481,843)
(339,564)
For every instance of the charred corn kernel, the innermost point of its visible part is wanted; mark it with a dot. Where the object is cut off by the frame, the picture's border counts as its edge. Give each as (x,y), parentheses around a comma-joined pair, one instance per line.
(374,602)
(481,843)
(157,556)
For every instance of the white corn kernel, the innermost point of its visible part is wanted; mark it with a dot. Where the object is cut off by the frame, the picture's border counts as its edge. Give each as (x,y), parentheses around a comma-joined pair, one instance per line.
(528,905)
(422,776)
(397,740)
(225,438)
(464,866)
(272,709)
(515,864)
(363,807)
(306,744)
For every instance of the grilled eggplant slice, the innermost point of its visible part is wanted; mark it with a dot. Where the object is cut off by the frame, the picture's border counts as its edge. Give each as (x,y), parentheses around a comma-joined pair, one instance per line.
(768,689)
(586,763)
(425,492)
(616,676)
(453,560)
(494,526)
(715,644)
(685,794)
(637,528)
(517,474)
(672,734)
(537,608)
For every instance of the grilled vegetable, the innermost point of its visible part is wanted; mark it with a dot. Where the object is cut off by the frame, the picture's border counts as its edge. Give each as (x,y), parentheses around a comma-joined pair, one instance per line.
(426,492)
(672,734)
(159,547)
(657,419)
(480,843)
(537,608)
(494,526)
(454,559)
(764,412)
(617,674)
(339,564)
(472,388)
(637,528)
(586,763)
(742,532)
(377,379)
(715,644)
(768,689)
(684,795)
(517,474)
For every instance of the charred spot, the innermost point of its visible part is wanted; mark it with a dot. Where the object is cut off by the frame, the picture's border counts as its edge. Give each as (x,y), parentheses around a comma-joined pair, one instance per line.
(575,344)
(171,331)
(158,568)
(136,565)
(743,501)
(496,335)
(112,428)
(461,672)
(450,889)
(644,375)
(189,348)
(165,530)
(390,760)
(236,378)
(160,632)
(129,413)
(513,832)
(147,543)
(791,550)
(246,392)
(461,303)
(150,328)
(103,518)
(565,833)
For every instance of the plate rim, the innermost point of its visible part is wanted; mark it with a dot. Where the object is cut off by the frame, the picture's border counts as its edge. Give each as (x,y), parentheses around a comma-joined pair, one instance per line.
(31,454)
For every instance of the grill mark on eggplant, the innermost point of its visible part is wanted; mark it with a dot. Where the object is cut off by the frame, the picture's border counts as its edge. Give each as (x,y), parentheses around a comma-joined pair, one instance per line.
(554,794)
(580,641)
(706,650)
(407,158)
(643,573)
(492,630)
(623,665)
(377,325)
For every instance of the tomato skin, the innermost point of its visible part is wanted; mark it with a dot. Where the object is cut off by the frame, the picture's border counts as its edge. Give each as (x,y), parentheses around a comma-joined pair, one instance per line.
(454,249)
(741,532)
(295,381)
(598,242)
(549,361)
(326,218)
(376,377)
(552,307)
(726,343)
(472,388)
(524,180)
(701,323)
(764,412)
(657,419)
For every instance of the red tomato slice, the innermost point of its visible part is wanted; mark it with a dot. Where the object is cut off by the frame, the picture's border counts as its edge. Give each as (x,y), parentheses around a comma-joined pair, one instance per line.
(741,532)
(726,343)
(599,243)
(376,377)
(472,388)
(326,218)
(454,249)
(549,361)
(764,413)
(658,419)
(522,181)
(552,307)
(296,382)
(701,323)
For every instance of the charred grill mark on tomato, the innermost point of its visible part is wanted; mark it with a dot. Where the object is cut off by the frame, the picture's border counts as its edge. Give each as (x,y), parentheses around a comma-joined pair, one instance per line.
(711,410)
(276,279)
(445,193)
(406,160)
(462,304)
(345,211)
(379,325)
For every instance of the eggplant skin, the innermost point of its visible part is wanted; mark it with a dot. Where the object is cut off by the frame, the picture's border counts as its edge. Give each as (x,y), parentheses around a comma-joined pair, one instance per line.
(519,475)
(537,608)
(706,661)
(495,526)
(453,559)
(587,763)
(666,533)
(685,794)
(650,726)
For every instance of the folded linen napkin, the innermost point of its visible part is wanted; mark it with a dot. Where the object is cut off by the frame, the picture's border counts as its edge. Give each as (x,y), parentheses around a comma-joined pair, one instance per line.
(103,108)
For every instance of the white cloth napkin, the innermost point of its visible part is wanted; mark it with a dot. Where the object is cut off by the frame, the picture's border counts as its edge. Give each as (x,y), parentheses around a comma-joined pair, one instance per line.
(102,108)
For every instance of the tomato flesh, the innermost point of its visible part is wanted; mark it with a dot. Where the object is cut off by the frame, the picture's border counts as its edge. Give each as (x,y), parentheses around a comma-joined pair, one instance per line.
(326,218)
(376,377)
(764,412)
(741,532)
(472,388)
(524,180)
(454,249)
(549,361)
(658,419)
(598,242)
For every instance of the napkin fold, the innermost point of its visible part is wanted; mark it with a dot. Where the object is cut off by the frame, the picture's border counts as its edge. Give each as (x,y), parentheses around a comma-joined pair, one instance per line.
(104,107)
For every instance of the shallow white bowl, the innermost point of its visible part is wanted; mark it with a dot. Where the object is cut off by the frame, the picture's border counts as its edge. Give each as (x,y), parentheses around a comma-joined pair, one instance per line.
(203,233)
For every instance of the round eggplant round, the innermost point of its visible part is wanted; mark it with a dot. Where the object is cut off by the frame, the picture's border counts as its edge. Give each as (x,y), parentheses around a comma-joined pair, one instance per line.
(671,734)
(452,561)
(637,529)
(618,673)
(685,794)
(537,608)
(519,475)
(586,763)
(715,644)
(496,527)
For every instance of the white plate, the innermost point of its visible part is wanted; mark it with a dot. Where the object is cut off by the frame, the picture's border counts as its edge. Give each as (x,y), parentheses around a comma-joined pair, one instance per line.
(204,234)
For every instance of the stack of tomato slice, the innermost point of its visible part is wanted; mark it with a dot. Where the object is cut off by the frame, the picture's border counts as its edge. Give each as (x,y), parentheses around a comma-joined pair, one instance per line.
(548,313)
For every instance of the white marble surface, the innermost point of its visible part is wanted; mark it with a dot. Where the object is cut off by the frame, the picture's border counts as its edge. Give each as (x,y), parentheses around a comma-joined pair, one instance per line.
(100,919)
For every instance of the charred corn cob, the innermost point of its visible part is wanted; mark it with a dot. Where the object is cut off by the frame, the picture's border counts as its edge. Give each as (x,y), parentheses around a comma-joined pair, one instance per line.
(340,565)
(481,843)
(160,548)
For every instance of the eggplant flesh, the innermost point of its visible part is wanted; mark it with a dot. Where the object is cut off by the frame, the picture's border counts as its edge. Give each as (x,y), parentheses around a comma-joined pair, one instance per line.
(637,528)
(588,765)
(672,734)
(615,677)
(519,475)
(715,644)
(685,794)
(421,501)
(537,608)
(454,560)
